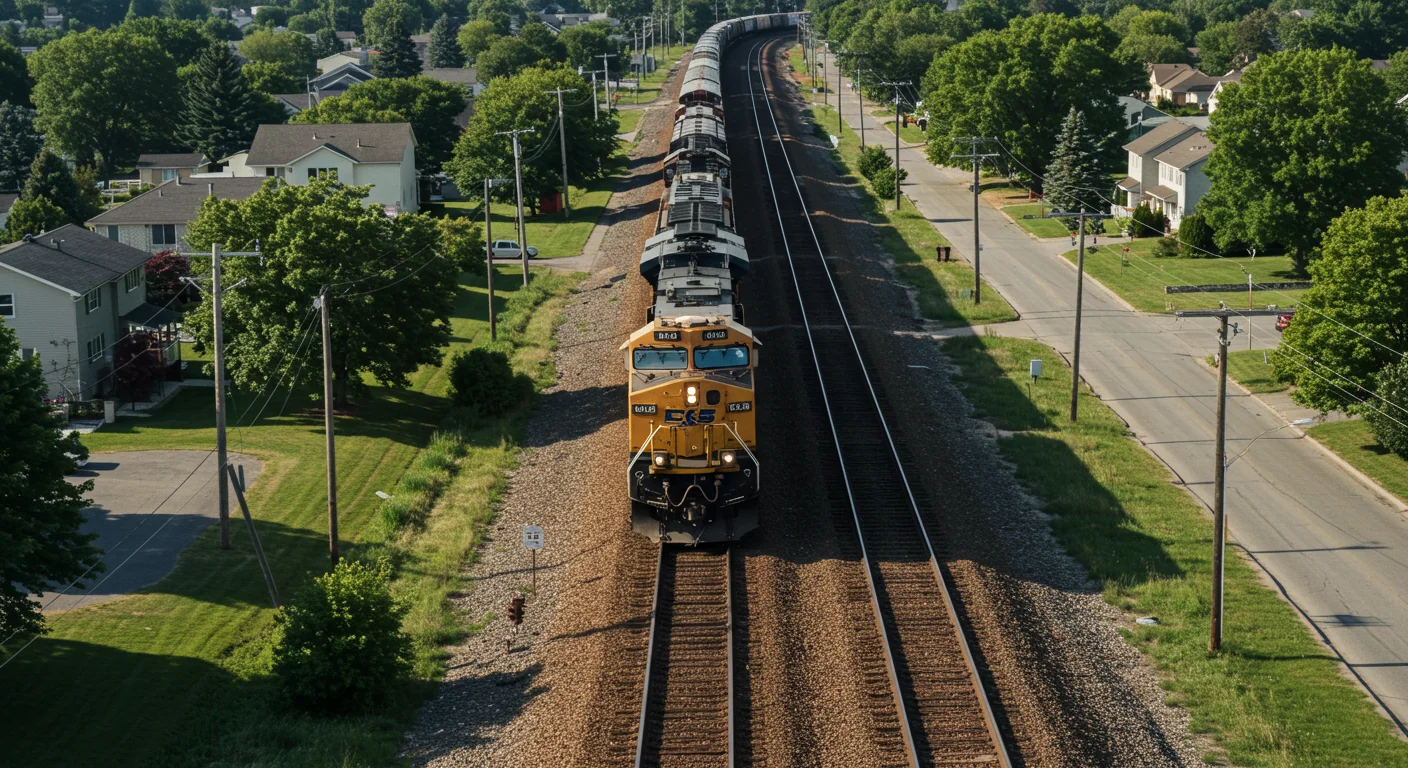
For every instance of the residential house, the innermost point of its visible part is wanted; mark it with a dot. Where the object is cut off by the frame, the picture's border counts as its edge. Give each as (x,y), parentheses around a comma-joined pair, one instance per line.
(422,44)
(1182,182)
(1143,169)
(242,19)
(156,220)
(465,77)
(382,155)
(70,295)
(561,21)
(52,18)
(333,68)
(349,39)
(6,201)
(293,103)
(1181,84)
(1137,115)
(159,169)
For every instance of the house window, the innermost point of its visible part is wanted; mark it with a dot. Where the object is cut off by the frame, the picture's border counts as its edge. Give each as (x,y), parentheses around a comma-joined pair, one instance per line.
(112,232)
(28,352)
(92,300)
(322,173)
(134,278)
(7,305)
(163,234)
(169,174)
(277,173)
(96,347)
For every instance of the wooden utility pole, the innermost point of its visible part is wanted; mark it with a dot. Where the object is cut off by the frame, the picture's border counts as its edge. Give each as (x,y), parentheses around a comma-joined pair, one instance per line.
(1219,514)
(489,250)
(324,305)
(977,242)
(562,140)
(1080,292)
(518,178)
(221,456)
(897,138)
(606,75)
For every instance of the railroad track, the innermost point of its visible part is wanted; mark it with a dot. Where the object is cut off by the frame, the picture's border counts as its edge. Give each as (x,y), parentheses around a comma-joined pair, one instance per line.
(687,705)
(942,713)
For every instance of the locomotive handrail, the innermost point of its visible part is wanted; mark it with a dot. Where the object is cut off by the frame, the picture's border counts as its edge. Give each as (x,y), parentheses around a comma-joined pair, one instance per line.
(644,444)
(758,480)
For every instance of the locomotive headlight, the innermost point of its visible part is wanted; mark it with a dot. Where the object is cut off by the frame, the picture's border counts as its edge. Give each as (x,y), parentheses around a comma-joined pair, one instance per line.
(691,395)
(727,456)
(660,458)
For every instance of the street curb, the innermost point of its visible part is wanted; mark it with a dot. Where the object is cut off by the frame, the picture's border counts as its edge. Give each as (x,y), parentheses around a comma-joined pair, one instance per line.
(1107,289)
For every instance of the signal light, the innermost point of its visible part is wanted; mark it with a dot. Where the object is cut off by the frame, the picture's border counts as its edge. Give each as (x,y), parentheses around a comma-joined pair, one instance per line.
(515,610)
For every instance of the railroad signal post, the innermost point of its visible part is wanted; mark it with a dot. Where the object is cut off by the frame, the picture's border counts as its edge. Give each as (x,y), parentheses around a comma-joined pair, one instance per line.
(1080,292)
(1219,515)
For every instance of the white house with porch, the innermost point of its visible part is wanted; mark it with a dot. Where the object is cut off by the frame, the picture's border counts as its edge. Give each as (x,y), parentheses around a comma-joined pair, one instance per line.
(1165,171)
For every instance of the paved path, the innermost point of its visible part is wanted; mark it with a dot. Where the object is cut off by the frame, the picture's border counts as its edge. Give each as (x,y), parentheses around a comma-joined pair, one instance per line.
(1330,540)
(148,506)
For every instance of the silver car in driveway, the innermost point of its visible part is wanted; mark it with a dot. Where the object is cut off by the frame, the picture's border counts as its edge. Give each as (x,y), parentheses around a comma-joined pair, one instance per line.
(508,249)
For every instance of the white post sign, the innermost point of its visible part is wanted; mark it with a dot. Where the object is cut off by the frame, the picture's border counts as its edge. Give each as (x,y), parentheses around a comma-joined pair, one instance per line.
(533,541)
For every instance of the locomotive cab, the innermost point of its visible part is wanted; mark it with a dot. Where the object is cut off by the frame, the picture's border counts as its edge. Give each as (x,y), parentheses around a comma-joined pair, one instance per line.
(692,471)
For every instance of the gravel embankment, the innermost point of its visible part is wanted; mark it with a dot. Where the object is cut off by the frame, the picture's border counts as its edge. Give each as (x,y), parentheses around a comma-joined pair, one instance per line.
(1070,690)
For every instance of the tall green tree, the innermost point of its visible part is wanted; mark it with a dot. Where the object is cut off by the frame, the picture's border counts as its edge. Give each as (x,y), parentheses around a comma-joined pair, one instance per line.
(141,9)
(327,43)
(475,37)
(1076,177)
(19,145)
(31,216)
(1020,83)
(507,57)
(584,43)
(270,77)
(15,83)
(220,111)
(1154,49)
(391,314)
(289,49)
(101,96)
(1354,319)
(396,55)
(386,15)
(1305,135)
(521,102)
(182,40)
(1396,76)
(547,49)
(50,178)
(444,49)
(41,512)
(429,105)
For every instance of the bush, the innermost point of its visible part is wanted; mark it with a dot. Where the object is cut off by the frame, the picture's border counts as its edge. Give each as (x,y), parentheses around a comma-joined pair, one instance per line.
(873,159)
(1385,419)
(885,181)
(340,647)
(1148,222)
(483,381)
(1195,236)
(1166,248)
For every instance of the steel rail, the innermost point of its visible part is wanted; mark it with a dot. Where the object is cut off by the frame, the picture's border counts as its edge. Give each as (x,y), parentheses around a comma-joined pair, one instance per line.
(939,579)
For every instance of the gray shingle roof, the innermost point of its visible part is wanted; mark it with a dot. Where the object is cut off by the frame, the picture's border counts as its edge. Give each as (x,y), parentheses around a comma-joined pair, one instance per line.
(182,160)
(7,200)
(462,75)
(177,202)
(1163,134)
(363,142)
(82,262)
(1187,152)
(299,101)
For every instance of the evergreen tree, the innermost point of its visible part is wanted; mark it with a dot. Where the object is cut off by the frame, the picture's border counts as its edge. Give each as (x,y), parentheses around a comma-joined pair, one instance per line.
(50,178)
(219,114)
(41,512)
(444,47)
(142,8)
(396,55)
(1075,177)
(327,43)
(19,144)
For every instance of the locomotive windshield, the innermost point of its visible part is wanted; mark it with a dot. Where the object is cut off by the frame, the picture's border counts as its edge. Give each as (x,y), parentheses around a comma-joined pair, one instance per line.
(661,359)
(731,356)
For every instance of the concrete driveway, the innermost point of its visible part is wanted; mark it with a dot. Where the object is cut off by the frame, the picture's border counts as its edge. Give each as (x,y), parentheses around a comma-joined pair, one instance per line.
(148,506)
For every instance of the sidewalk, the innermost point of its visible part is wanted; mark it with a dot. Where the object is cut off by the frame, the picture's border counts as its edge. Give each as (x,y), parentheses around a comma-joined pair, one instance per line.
(1335,547)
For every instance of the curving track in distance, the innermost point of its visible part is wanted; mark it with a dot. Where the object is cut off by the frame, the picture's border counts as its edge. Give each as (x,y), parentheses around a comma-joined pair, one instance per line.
(943,713)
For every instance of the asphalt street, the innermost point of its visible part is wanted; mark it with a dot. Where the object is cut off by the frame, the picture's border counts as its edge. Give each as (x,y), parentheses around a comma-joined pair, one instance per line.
(148,507)
(1335,546)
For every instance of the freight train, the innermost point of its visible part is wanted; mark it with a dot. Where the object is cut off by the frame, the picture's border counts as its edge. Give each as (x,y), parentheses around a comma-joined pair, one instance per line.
(693,473)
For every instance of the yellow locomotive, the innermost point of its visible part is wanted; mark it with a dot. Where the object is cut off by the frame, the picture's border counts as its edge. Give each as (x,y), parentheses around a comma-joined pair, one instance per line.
(692,429)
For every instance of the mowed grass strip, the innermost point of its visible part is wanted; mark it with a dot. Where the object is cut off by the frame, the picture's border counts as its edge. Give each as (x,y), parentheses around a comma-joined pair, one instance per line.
(910,240)
(1354,441)
(1040,226)
(178,674)
(1141,279)
(1251,368)
(1273,697)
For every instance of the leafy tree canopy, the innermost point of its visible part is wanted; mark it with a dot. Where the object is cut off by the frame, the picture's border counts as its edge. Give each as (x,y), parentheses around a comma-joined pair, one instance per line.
(289,49)
(182,40)
(396,56)
(188,10)
(40,510)
(270,77)
(1396,76)
(327,43)
(505,58)
(19,145)
(384,15)
(1305,135)
(100,96)
(1354,319)
(1154,49)
(393,292)
(584,43)
(475,37)
(429,105)
(33,216)
(1018,85)
(522,102)
(547,49)
(15,83)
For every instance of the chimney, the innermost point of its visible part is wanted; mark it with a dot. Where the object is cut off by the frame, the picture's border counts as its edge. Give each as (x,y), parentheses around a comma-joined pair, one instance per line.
(210,189)
(160,192)
(315,135)
(359,143)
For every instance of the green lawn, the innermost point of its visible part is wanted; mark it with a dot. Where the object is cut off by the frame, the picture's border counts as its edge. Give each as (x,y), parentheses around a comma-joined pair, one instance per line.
(910,239)
(1273,697)
(178,674)
(1043,227)
(627,120)
(798,63)
(652,84)
(1142,278)
(1354,442)
(1252,369)
(909,133)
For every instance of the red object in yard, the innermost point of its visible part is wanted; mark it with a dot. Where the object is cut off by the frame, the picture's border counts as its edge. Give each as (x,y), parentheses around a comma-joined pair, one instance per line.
(1283,322)
(550,203)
